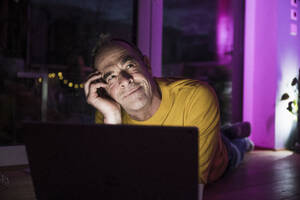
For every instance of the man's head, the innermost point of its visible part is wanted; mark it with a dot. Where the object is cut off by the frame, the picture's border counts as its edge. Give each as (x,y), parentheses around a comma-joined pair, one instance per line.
(127,74)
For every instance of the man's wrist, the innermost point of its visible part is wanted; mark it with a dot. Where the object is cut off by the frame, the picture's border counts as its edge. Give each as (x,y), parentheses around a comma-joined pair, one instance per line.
(113,119)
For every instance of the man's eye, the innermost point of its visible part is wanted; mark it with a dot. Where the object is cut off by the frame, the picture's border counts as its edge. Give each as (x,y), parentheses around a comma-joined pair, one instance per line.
(129,66)
(111,77)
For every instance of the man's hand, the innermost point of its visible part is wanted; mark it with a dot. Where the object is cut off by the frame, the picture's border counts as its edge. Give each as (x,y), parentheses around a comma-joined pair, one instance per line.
(110,109)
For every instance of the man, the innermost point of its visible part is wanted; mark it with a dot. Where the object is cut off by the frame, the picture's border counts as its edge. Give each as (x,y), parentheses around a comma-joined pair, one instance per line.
(123,91)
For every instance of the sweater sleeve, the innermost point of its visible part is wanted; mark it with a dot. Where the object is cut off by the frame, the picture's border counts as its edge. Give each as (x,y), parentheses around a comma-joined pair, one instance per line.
(202,111)
(98,118)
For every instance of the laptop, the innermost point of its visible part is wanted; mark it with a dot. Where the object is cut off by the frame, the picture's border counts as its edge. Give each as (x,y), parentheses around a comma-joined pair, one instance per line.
(84,161)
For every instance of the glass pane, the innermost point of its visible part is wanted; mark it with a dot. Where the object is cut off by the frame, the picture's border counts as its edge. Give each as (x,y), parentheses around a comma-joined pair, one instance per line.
(190,45)
(45,55)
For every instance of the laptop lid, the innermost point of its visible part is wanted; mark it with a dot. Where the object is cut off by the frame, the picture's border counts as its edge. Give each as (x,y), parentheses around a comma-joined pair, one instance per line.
(70,161)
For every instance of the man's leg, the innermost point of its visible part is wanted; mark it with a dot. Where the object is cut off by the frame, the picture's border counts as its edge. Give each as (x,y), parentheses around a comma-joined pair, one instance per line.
(237,146)
(235,155)
(236,130)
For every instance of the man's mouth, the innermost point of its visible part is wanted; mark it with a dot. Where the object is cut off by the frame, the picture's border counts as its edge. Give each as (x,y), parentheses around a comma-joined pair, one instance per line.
(130,92)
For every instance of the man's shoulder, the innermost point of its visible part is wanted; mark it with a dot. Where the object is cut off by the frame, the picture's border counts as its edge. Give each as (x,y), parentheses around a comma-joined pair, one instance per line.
(178,83)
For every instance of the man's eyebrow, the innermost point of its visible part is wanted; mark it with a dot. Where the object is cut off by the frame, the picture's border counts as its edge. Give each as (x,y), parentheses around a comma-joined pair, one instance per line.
(123,60)
(126,59)
(107,75)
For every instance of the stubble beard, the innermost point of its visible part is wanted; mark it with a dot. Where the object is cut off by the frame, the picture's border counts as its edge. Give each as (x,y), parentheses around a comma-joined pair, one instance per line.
(136,101)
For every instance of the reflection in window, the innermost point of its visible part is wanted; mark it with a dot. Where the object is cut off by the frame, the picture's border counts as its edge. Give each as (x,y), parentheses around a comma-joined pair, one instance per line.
(50,41)
(192,48)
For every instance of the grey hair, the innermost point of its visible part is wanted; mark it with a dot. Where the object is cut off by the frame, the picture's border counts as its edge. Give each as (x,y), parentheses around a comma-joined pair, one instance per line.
(105,40)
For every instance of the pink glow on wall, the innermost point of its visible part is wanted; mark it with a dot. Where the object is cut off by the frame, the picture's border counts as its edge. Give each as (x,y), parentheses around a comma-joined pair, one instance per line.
(293,29)
(271,62)
(260,71)
(224,31)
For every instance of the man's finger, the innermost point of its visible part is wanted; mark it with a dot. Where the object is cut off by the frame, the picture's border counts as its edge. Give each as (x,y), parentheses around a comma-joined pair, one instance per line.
(92,74)
(88,82)
(95,86)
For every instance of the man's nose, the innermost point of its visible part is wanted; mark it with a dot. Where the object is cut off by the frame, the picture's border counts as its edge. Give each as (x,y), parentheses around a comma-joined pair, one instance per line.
(124,78)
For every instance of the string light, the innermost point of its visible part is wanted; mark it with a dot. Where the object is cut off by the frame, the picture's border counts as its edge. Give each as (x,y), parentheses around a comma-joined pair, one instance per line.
(60,76)
(40,79)
(51,75)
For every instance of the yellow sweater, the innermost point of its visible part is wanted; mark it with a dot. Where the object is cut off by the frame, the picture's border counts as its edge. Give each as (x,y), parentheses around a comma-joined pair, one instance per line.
(188,102)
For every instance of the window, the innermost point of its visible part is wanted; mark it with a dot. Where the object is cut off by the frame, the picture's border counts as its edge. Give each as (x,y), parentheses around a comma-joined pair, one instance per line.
(196,46)
(45,48)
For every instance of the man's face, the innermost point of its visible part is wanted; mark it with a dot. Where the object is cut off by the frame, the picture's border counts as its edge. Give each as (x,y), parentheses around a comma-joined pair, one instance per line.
(128,81)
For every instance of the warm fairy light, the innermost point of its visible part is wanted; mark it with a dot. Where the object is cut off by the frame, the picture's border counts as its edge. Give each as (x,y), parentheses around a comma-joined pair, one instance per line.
(51,75)
(61,77)
(40,79)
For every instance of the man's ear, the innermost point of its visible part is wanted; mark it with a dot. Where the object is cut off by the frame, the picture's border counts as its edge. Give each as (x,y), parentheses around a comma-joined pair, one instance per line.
(147,64)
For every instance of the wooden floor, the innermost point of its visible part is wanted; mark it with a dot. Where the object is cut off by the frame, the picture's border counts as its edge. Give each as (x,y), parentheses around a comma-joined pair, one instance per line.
(264,175)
